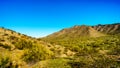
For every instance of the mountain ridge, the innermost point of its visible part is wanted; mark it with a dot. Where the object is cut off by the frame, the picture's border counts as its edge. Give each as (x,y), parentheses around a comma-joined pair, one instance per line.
(108,28)
(76,32)
(88,31)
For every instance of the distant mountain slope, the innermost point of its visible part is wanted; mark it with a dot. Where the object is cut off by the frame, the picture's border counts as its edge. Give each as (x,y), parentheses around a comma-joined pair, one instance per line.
(87,31)
(76,32)
(108,28)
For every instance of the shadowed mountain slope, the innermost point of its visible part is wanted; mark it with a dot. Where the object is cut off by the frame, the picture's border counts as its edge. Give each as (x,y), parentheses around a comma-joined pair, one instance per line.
(108,28)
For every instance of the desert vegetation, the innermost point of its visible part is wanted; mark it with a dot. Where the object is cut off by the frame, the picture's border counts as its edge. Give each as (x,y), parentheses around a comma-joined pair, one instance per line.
(64,49)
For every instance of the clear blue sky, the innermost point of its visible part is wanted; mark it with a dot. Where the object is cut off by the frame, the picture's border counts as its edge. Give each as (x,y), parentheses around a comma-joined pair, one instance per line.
(39,18)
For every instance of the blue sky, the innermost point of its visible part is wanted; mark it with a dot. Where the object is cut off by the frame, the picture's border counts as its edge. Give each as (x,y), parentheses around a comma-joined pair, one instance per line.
(39,18)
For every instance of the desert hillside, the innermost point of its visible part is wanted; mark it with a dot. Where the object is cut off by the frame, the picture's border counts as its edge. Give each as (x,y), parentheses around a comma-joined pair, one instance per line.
(22,51)
(94,46)
(76,47)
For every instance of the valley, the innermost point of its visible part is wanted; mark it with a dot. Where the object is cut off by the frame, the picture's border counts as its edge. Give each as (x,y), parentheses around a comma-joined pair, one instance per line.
(79,46)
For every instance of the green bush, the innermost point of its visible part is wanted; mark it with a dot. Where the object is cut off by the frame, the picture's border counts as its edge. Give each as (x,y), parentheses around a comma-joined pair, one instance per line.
(105,62)
(57,63)
(4,61)
(37,53)
(22,44)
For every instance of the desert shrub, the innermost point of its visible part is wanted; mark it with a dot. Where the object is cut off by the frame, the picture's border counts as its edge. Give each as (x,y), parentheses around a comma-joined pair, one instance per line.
(53,63)
(57,63)
(37,53)
(5,46)
(22,44)
(13,38)
(77,64)
(12,32)
(81,62)
(2,40)
(75,48)
(105,62)
(97,61)
(115,50)
(6,61)
(52,49)
(5,35)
